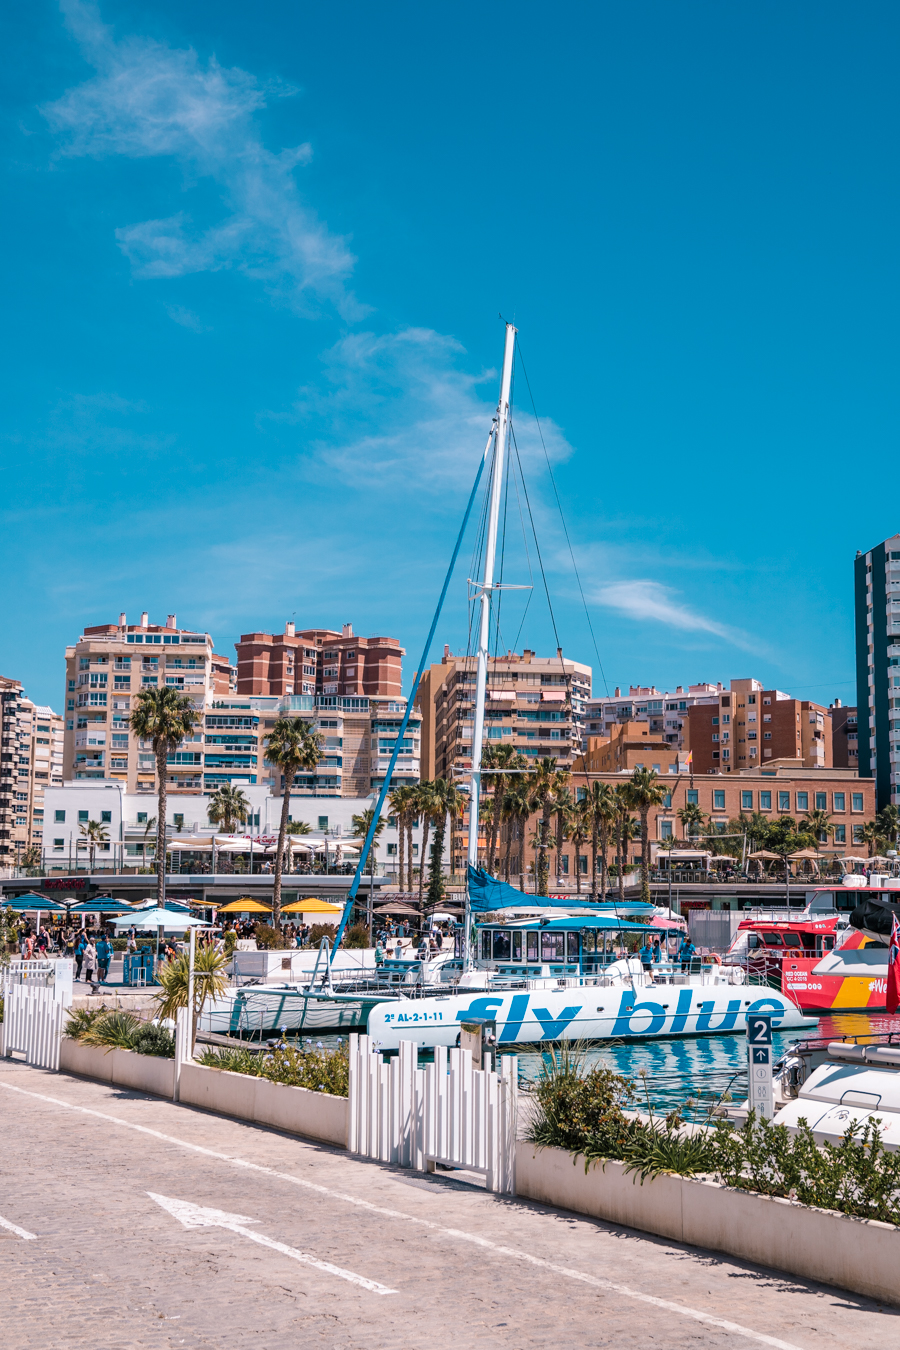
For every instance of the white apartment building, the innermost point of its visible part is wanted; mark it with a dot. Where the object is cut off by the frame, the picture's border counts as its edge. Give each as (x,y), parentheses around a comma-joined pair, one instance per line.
(31,759)
(665,712)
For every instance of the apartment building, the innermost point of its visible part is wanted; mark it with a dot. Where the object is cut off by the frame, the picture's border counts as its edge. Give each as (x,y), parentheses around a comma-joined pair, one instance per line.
(318,662)
(665,713)
(745,726)
(629,746)
(535,703)
(31,760)
(844,736)
(105,671)
(877,605)
(783,790)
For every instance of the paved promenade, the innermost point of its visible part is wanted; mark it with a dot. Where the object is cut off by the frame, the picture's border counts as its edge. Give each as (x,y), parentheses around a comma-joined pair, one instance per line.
(156,1225)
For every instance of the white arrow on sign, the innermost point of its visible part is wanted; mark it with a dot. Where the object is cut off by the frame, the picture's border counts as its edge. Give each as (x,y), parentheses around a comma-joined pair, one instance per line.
(19,1232)
(196,1216)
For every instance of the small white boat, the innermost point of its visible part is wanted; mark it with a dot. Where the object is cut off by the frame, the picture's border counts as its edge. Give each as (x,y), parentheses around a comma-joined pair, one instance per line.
(845,1084)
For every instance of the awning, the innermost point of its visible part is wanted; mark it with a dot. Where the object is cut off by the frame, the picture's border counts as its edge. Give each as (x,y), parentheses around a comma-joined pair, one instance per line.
(507,695)
(312,906)
(169,920)
(247,906)
(104,904)
(30,901)
(398,908)
(553,696)
(764,853)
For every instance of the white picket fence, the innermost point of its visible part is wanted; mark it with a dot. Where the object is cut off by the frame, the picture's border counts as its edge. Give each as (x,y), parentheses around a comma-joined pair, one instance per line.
(33,1020)
(458,1116)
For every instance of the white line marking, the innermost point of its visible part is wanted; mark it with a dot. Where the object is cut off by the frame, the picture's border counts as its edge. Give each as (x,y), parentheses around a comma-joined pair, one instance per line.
(609,1286)
(19,1232)
(198,1216)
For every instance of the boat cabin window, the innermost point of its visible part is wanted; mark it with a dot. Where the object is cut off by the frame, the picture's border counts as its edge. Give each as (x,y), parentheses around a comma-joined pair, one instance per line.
(486,945)
(532,946)
(589,942)
(553,946)
(753,941)
(827,942)
(792,940)
(572,946)
(502,946)
(772,939)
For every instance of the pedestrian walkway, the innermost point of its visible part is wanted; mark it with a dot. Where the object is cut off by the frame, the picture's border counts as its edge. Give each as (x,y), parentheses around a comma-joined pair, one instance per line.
(161,1225)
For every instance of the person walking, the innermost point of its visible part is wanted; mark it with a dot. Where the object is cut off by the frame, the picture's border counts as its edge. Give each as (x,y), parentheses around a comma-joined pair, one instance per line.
(686,953)
(646,955)
(90,961)
(104,956)
(78,952)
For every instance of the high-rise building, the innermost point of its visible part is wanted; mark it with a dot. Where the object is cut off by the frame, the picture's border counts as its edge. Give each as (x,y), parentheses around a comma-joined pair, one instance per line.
(534,703)
(319,661)
(31,760)
(844,736)
(877,596)
(105,671)
(746,726)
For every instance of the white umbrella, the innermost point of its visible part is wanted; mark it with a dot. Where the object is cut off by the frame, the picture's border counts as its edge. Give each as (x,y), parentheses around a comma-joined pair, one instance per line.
(167,919)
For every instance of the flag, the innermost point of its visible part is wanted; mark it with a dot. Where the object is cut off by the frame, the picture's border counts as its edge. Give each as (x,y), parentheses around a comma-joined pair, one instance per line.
(892,995)
(689,758)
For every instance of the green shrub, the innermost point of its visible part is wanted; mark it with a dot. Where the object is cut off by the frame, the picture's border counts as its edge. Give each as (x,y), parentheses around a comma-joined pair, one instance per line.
(268,937)
(320,931)
(579,1108)
(357,936)
(153,1039)
(116,1030)
(320,1070)
(119,1031)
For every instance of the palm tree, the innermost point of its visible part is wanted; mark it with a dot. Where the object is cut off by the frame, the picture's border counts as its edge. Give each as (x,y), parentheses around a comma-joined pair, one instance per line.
(580,833)
(148,829)
(545,786)
(95,834)
(626,830)
(692,819)
(448,801)
(518,804)
(499,757)
(361,826)
(645,790)
(563,807)
(402,804)
(228,807)
(426,805)
(291,745)
(817,824)
(602,810)
(210,981)
(298,827)
(888,819)
(163,717)
(871,834)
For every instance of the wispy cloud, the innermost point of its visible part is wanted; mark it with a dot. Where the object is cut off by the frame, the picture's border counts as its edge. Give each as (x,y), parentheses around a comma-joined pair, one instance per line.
(148,99)
(186,318)
(650,601)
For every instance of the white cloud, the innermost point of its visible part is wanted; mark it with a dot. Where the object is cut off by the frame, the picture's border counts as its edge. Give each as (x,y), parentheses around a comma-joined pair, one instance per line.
(186,318)
(649,600)
(148,99)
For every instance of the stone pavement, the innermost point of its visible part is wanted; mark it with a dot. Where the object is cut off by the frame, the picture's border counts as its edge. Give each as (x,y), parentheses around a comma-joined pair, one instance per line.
(111,1268)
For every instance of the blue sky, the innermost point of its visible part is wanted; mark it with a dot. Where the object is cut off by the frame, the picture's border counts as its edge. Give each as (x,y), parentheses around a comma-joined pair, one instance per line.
(255,262)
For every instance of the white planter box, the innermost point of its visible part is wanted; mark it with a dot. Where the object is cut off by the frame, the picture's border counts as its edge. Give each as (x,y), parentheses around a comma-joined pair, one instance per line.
(316,1115)
(817,1244)
(125,1068)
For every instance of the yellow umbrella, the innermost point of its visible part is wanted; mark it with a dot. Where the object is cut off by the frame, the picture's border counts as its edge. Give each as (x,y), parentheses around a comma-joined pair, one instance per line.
(311,906)
(244,907)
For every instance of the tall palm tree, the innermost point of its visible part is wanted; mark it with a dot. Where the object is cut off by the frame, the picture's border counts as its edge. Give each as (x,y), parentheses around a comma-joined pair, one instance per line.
(401,801)
(888,819)
(645,791)
(95,834)
(602,810)
(426,806)
(291,745)
(448,802)
(817,824)
(545,785)
(361,826)
(499,757)
(626,827)
(871,835)
(148,830)
(518,804)
(164,718)
(228,807)
(692,819)
(563,807)
(580,833)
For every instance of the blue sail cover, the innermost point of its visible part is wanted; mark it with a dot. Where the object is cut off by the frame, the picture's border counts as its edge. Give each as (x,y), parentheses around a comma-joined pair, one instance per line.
(487,895)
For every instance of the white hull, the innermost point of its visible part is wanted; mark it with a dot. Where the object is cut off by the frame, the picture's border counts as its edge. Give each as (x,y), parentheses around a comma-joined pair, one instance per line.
(589,1013)
(269,1009)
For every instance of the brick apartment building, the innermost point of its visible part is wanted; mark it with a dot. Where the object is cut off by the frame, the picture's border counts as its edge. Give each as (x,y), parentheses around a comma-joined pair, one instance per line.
(31,760)
(844,736)
(106,669)
(664,713)
(629,746)
(535,703)
(319,661)
(745,726)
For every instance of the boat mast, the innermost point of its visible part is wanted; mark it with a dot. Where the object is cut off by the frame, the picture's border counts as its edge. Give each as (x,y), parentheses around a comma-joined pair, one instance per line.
(484,592)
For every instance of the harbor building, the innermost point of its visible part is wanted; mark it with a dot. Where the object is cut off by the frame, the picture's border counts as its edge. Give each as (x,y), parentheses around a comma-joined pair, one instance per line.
(746,725)
(105,671)
(319,662)
(31,760)
(877,606)
(534,703)
(844,736)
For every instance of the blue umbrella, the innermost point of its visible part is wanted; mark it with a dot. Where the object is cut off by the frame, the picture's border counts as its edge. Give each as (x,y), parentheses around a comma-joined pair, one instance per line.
(103,904)
(30,900)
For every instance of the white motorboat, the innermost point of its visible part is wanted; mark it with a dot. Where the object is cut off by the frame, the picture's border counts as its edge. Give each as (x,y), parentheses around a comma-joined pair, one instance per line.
(835,1085)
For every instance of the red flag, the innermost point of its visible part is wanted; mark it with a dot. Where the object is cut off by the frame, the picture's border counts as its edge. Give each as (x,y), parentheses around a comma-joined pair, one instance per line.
(892,996)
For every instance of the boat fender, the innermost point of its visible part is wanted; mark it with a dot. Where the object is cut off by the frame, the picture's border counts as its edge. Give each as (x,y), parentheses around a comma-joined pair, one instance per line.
(716,959)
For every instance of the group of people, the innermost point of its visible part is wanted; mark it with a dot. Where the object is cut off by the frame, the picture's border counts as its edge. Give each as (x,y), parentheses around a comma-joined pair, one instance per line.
(652,953)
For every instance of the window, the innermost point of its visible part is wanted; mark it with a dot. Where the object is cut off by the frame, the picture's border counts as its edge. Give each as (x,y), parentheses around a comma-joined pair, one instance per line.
(142,817)
(821,801)
(665,829)
(83,816)
(693,797)
(840,834)
(60,817)
(715,721)
(667,801)
(839,800)
(59,843)
(765,801)
(106,817)
(726,719)
(719,799)
(802,801)
(857,800)
(767,735)
(751,698)
(178,822)
(746,801)
(784,801)
(323,822)
(392,850)
(553,946)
